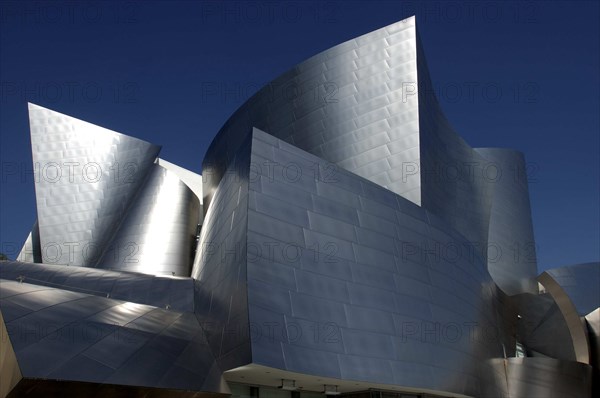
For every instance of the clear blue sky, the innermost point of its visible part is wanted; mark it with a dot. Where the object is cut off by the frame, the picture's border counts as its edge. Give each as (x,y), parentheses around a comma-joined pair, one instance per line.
(144,69)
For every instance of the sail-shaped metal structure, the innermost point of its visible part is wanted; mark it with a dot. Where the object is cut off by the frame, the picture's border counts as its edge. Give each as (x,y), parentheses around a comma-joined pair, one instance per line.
(342,239)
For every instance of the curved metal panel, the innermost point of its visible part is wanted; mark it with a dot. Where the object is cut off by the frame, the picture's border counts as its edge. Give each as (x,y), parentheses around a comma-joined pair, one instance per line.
(577,328)
(454,185)
(581,282)
(354,105)
(189,178)
(537,378)
(382,122)
(376,277)
(459,206)
(158,232)
(86,176)
(578,287)
(351,244)
(219,268)
(546,377)
(511,246)
(542,328)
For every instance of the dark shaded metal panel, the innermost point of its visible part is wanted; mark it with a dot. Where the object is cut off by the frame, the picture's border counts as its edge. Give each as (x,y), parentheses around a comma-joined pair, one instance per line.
(542,327)
(42,388)
(158,232)
(31,252)
(512,252)
(494,379)
(547,377)
(577,328)
(536,378)
(87,177)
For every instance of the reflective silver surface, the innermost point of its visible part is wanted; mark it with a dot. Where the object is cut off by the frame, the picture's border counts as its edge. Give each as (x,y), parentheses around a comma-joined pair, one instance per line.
(59,334)
(345,236)
(158,233)
(221,298)
(189,178)
(345,259)
(86,176)
(174,293)
(355,105)
(510,226)
(396,264)
(368,106)
(103,202)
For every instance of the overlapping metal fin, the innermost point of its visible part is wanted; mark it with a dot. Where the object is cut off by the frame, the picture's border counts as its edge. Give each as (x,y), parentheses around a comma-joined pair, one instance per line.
(103,201)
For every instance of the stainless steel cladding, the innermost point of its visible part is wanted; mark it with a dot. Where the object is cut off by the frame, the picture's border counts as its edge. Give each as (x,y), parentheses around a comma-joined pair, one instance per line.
(343,238)
(104,202)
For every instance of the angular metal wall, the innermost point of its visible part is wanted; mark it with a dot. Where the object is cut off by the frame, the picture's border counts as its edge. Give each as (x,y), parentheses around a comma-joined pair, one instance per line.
(159,291)
(86,177)
(103,202)
(478,198)
(350,242)
(368,106)
(392,292)
(66,335)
